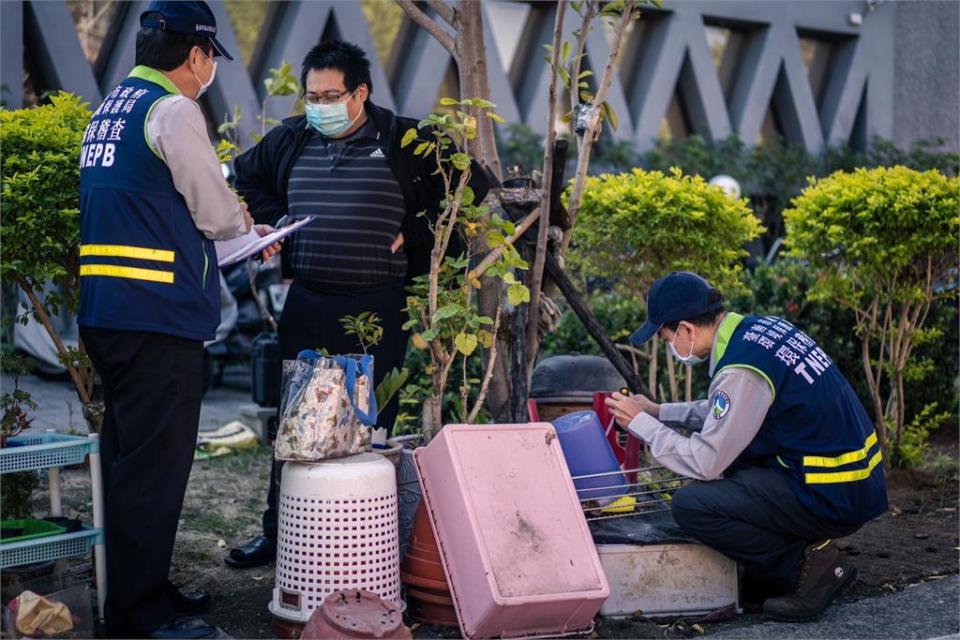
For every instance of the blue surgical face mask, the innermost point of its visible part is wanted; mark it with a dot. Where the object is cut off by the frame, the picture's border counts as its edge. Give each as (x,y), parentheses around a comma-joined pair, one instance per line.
(330,119)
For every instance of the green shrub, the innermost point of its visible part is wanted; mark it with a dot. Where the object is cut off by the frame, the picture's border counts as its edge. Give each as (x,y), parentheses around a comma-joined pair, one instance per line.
(40,226)
(883,243)
(636,227)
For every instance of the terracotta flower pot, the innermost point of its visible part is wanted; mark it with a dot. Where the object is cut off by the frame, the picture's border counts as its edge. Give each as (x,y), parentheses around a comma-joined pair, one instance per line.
(428,593)
(355,613)
(429,613)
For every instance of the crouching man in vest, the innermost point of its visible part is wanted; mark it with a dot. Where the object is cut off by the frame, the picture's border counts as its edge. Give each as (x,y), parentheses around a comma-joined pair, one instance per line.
(788,457)
(152,199)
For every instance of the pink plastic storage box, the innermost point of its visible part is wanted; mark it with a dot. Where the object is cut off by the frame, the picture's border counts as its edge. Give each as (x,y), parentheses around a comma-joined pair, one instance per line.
(514,542)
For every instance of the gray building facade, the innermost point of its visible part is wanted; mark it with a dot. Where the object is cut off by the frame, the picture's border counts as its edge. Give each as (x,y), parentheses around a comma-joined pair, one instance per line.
(813,72)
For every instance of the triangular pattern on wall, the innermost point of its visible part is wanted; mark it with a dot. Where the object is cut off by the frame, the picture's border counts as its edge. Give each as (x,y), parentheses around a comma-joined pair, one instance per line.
(717,67)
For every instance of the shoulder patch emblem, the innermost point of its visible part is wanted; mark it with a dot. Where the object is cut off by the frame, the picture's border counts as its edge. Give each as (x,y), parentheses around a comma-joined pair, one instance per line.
(721,405)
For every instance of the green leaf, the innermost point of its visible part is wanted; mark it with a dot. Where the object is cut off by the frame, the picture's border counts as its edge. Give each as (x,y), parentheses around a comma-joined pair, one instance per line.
(408,137)
(584,74)
(390,385)
(447,311)
(468,197)
(449,102)
(421,148)
(611,115)
(486,338)
(495,239)
(517,294)
(466,343)
(496,117)
(565,50)
(461,161)
(429,334)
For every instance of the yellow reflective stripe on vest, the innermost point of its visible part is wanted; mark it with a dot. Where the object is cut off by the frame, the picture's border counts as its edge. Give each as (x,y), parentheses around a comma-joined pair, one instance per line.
(847,458)
(133,273)
(844,476)
(126,251)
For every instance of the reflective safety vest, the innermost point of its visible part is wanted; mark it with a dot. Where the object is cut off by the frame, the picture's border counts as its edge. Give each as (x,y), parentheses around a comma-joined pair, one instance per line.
(816,431)
(144,266)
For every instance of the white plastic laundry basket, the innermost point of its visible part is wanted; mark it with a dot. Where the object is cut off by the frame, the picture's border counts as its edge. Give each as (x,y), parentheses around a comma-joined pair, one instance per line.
(337,530)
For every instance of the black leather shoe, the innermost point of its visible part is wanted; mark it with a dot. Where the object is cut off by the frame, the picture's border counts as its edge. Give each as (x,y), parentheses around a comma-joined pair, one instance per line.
(185,627)
(191,603)
(256,553)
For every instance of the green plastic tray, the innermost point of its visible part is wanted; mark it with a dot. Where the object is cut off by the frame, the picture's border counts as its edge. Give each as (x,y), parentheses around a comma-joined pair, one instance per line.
(31,529)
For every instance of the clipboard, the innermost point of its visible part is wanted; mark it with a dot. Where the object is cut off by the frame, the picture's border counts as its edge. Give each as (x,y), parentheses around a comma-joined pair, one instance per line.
(233,251)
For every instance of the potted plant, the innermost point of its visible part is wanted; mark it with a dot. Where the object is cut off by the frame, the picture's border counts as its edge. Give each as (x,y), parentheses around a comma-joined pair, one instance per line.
(443,309)
(369,332)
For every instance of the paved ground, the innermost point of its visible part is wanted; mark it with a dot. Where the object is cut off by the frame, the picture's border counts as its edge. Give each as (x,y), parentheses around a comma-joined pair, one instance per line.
(926,610)
(60,408)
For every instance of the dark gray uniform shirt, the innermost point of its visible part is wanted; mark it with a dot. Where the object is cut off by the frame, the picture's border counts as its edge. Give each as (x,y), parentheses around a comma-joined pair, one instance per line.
(349,186)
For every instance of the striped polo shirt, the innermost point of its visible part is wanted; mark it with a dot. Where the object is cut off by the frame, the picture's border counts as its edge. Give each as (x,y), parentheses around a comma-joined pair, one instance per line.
(349,186)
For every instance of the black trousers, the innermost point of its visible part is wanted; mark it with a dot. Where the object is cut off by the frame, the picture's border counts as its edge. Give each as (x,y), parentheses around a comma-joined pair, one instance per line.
(754,517)
(152,386)
(311,320)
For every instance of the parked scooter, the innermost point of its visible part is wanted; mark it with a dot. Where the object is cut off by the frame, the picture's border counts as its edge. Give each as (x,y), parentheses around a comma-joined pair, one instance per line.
(243,318)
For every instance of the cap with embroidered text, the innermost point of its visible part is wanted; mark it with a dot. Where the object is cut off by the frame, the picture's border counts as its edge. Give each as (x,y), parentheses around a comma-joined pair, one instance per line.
(679,296)
(189,18)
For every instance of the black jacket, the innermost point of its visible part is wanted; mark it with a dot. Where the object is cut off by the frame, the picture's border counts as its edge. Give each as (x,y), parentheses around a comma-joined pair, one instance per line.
(263,173)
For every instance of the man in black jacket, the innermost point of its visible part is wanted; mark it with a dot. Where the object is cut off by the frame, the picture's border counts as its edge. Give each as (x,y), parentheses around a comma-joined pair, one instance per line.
(342,162)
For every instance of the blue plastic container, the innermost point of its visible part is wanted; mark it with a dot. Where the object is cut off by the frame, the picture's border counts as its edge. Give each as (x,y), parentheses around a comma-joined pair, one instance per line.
(588,452)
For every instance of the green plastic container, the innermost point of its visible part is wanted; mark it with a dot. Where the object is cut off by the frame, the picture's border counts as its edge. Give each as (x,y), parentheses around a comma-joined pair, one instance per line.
(29,529)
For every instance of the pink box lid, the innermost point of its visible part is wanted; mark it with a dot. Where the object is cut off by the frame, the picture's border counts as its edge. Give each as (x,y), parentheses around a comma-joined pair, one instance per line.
(513,538)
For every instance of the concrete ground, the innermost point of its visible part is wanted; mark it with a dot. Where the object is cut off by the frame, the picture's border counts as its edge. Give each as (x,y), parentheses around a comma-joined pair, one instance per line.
(926,610)
(59,408)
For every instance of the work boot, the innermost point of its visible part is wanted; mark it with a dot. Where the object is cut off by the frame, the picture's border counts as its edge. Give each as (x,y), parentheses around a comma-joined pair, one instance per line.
(823,575)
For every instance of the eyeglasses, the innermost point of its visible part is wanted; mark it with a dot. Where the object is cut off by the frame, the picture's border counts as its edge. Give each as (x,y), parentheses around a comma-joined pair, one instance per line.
(327,97)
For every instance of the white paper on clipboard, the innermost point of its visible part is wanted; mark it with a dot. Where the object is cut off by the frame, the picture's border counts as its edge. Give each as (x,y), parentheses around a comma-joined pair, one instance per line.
(231,251)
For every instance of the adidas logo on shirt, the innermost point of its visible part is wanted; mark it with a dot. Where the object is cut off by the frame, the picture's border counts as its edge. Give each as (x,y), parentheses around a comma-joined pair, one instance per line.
(377,153)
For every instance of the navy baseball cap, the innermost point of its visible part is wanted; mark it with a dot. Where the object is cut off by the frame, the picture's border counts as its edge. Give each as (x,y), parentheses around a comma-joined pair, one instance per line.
(189,18)
(679,296)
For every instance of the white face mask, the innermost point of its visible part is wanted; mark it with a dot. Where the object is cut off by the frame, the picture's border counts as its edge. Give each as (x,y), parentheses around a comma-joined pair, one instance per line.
(205,85)
(689,359)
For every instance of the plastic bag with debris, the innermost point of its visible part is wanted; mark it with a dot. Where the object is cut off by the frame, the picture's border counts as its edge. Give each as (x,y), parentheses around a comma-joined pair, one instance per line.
(328,407)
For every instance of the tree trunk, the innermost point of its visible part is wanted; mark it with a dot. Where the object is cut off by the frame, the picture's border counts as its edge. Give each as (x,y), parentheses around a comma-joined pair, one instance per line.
(878,413)
(520,387)
(432,418)
(471,60)
(535,279)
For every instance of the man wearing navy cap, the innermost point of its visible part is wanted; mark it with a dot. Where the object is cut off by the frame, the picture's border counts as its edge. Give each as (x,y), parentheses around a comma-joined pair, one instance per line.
(787,454)
(152,200)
